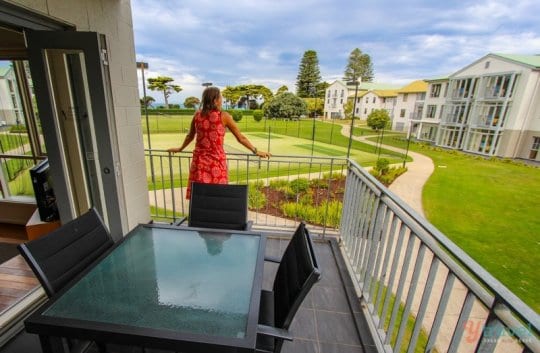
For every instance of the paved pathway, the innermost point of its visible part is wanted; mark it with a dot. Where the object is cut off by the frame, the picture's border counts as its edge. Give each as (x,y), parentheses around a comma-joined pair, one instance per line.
(409,185)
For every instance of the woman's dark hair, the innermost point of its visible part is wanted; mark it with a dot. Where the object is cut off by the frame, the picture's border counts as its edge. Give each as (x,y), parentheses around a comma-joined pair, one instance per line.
(209,97)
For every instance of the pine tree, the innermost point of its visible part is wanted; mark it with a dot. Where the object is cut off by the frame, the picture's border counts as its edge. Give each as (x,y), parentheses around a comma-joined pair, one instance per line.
(359,66)
(309,75)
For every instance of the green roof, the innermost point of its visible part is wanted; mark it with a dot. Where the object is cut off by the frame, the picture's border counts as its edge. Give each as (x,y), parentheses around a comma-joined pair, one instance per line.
(438,78)
(530,60)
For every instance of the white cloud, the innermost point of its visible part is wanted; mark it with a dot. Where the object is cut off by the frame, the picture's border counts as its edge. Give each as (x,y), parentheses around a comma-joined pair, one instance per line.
(263,42)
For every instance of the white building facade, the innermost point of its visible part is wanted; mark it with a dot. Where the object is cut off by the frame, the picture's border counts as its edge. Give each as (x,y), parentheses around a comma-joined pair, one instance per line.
(10,104)
(433,108)
(409,106)
(369,96)
(493,108)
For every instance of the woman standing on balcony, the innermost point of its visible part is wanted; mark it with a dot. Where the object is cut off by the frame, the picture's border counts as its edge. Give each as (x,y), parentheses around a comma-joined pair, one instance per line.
(209,163)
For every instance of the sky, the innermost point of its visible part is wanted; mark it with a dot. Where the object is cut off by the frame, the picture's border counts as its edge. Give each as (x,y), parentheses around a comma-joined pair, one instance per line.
(262,42)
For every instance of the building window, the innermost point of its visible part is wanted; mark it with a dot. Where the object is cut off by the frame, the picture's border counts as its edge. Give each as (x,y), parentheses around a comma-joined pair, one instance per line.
(367,99)
(497,86)
(341,100)
(373,99)
(435,90)
(405,95)
(402,113)
(342,93)
(431,111)
(464,88)
(365,110)
(486,65)
(10,86)
(535,148)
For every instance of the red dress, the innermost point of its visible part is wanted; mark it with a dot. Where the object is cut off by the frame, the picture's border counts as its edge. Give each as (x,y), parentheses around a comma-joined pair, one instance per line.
(209,164)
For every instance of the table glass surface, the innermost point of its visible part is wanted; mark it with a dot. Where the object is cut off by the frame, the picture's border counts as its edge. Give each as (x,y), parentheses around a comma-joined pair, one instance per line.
(160,278)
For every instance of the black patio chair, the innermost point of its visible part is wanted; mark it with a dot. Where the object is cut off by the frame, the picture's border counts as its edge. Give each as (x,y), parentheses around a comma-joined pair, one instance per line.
(220,206)
(59,256)
(297,273)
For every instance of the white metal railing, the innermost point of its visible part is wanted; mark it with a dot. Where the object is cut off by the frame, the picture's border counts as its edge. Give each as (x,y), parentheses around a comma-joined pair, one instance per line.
(168,176)
(421,292)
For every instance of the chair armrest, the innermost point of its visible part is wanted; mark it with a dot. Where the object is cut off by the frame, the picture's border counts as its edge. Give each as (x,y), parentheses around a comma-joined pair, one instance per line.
(249,225)
(180,221)
(268,258)
(274,332)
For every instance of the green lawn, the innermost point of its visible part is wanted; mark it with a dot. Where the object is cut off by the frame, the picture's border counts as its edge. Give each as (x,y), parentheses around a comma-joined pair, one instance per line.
(490,208)
(325,132)
(279,145)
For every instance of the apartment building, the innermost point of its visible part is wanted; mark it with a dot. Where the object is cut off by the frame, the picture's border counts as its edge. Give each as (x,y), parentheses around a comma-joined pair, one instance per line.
(409,106)
(492,108)
(369,96)
(437,90)
(10,104)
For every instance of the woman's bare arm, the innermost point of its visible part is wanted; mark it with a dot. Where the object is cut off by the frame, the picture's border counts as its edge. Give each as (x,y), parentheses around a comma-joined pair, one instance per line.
(189,137)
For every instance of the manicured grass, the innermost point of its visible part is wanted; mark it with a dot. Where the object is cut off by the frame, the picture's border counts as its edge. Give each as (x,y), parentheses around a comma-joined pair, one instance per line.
(325,132)
(490,208)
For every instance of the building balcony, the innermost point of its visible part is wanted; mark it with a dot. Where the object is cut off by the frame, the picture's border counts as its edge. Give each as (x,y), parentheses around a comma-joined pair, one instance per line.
(391,280)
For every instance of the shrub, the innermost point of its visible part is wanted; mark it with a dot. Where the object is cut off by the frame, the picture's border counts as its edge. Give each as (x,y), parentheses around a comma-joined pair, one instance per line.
(382,166)
(256,199)
(278,184)
(236,115)
(300,185)
(259,184)
(390,176)
(258,115)
(306,199)
(315,214)
(334,176)
(319,183)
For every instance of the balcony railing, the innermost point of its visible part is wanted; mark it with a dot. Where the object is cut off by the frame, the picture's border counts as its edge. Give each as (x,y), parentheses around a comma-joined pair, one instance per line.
(420,292)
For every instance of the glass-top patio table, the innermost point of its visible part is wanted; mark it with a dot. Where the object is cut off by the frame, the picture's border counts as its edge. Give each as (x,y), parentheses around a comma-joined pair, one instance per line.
(184,289)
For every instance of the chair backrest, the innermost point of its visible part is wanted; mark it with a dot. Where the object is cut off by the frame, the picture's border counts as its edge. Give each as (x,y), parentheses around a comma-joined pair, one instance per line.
(59,256)
(219,206)
(297,273)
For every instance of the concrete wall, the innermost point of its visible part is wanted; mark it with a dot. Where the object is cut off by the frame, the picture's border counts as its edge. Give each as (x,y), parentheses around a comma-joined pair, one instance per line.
(113,19)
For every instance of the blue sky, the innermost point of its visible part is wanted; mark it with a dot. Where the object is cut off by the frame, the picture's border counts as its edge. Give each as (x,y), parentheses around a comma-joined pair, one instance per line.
(262,42)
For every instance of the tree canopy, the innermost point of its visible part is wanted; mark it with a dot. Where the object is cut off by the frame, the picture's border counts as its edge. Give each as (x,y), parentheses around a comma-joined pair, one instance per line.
(192,102)
(358,66)
(146,101)
(163,83)
(239,95)
(315,106)
(285,105)
(282,89)
(378,119)
(309,75)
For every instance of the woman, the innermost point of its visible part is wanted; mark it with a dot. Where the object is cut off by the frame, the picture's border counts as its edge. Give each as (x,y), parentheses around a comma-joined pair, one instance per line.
(209,164)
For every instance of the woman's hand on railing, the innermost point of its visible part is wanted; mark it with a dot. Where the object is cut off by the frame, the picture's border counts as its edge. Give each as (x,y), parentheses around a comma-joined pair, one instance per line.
(263,154)
(174,150)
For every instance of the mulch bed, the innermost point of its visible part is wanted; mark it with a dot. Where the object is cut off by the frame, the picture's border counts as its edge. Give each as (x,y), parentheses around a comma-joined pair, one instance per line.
(274,198)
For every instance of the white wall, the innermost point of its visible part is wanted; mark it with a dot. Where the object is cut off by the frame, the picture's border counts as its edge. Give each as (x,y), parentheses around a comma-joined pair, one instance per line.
(335,100)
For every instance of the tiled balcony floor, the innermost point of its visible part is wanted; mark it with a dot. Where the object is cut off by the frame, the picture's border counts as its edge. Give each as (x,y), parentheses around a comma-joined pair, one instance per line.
(329,321)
